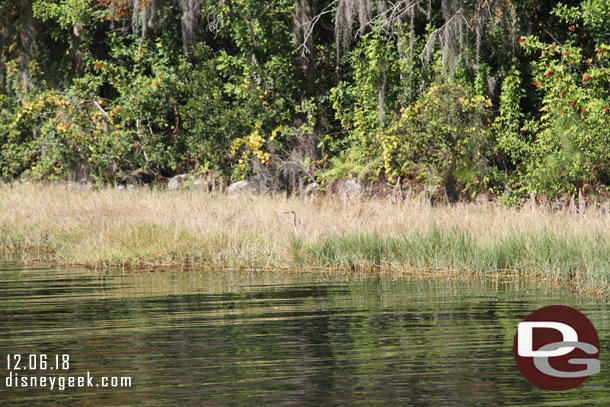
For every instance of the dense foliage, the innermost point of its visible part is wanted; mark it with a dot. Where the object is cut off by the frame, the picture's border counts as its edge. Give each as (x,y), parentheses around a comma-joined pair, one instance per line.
(452,96)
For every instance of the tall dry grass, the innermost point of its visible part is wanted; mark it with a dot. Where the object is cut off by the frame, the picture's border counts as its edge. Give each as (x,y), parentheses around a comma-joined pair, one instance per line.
(146,228)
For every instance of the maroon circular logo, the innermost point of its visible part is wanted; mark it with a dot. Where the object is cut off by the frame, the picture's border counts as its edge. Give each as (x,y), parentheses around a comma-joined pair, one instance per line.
(556,348)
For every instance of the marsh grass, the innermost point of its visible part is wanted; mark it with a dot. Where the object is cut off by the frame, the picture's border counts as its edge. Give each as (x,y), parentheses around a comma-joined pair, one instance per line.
(146,228)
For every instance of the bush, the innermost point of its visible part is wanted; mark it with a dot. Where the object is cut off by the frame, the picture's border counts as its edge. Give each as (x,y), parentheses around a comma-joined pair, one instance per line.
(570,148)
(440,140)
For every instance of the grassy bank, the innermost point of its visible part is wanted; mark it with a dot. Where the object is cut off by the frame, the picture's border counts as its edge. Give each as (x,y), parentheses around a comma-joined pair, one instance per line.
(147,228)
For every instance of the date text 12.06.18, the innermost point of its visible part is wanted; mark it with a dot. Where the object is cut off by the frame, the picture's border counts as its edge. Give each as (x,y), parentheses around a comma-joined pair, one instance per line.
(35,361)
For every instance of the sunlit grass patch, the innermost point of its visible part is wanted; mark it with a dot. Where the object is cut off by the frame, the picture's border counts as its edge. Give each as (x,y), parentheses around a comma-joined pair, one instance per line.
(150,228)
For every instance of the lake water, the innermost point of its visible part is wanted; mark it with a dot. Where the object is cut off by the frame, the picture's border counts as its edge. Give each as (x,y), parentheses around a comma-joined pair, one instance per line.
(241,338)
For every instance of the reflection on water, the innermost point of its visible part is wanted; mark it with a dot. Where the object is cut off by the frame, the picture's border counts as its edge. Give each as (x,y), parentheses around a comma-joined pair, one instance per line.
(248,338)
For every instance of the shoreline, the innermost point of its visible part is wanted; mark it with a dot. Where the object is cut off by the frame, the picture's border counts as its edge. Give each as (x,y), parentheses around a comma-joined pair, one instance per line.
(149,229)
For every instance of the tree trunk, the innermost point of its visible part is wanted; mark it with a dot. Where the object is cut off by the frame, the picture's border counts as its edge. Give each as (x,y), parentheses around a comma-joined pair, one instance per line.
(2,75)
(77,50)
(381,92)
(302,17)
(307,144)
(27,36)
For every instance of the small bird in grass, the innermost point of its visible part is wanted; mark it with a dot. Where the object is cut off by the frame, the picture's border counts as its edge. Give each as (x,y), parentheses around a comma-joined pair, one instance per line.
(294,223)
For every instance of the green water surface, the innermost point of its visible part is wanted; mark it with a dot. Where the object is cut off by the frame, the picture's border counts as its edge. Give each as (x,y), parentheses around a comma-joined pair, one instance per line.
(243,338)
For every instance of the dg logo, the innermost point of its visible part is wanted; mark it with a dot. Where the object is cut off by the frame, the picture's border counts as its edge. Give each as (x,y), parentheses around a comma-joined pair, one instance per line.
(556,348)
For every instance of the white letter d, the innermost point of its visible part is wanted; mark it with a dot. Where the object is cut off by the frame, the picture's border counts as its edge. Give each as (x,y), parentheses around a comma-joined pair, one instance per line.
(525,338)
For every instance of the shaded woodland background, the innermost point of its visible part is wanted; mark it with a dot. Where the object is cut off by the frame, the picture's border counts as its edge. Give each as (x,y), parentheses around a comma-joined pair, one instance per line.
(451,96)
